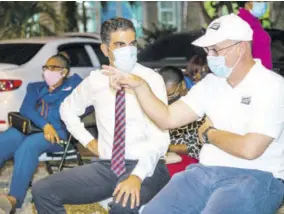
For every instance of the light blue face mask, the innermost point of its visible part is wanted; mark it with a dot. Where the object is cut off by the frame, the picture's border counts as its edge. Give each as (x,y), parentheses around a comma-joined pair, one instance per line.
(259,9)
(217,65)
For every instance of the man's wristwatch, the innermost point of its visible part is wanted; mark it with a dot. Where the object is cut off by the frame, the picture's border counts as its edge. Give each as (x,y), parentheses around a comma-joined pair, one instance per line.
(205,134)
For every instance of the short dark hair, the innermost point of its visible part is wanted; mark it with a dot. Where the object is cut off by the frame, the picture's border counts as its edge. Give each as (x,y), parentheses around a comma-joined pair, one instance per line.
(171,74)
(113,25)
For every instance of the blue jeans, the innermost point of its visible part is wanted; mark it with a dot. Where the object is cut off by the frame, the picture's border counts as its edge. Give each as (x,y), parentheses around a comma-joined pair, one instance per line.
(25,150)
(218,190)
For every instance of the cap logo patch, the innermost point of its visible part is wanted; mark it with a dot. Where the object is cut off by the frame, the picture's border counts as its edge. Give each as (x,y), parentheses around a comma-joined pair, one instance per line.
(215,26)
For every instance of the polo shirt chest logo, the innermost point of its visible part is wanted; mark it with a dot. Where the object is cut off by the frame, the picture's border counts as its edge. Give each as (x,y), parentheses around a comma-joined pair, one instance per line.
(246,100)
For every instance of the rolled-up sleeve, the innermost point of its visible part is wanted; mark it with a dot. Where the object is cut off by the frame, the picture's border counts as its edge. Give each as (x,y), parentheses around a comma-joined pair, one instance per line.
(73,107)
(158,140)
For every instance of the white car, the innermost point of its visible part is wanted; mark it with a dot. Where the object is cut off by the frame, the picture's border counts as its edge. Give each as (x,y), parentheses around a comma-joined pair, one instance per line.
(21,63)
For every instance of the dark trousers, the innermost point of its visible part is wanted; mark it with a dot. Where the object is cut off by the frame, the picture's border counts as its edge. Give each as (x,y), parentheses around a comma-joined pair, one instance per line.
(92,183)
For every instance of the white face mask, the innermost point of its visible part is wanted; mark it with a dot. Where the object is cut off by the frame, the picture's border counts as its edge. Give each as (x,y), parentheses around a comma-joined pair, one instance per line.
(125,58)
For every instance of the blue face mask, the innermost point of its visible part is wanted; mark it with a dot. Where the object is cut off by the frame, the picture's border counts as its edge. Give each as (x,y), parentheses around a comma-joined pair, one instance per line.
(259,9)
(217,65)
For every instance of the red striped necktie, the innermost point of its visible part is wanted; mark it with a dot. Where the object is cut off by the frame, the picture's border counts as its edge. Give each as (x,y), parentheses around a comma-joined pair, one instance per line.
(118,149)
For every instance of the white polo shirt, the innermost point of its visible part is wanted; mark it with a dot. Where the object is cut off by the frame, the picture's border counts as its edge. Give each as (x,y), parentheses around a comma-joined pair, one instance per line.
(256,105)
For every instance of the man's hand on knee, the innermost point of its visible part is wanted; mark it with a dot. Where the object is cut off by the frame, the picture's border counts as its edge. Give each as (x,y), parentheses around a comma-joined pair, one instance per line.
(129,187)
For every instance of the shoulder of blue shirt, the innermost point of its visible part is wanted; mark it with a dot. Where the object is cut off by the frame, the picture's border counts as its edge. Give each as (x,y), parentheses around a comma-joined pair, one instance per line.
(189,83)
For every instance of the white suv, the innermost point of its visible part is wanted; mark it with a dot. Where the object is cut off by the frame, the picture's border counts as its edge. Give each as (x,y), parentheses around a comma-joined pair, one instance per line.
(21,63)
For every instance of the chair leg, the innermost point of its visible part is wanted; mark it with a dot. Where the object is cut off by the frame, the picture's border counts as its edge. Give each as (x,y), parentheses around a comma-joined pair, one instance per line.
(65,153)
(79,158)
(49,168)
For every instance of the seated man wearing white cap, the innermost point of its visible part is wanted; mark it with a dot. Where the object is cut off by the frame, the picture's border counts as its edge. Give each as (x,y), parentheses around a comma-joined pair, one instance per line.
(241,166)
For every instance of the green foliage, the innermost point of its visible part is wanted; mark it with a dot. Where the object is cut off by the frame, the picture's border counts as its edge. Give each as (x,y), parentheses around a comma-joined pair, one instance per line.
(21,19)
(70,16)
(214,9)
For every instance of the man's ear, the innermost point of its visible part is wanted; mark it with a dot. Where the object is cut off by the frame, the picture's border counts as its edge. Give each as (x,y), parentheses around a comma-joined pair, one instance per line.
(104,49)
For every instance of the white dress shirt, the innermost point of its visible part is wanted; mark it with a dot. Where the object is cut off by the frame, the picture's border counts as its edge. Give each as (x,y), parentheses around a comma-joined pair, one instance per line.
(144,141)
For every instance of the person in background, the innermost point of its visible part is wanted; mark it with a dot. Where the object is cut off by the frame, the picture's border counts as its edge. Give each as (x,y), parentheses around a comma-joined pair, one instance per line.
(261,43)
(188,82)
(130,146)
(197,68)
(41,106)
(184,140)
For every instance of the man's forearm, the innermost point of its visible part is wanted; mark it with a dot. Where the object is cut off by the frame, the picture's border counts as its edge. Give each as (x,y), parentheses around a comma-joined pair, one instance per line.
(231,143)
(152,106)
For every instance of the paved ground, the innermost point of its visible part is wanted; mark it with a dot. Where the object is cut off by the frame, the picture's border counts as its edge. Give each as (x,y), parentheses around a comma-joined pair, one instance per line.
(28,208)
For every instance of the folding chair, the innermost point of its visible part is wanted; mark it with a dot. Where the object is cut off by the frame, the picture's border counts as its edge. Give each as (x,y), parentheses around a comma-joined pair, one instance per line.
(71,151)
(57,159)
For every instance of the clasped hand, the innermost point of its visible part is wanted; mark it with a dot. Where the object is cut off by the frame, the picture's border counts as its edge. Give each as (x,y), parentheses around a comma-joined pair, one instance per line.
(119,80)
(50,134)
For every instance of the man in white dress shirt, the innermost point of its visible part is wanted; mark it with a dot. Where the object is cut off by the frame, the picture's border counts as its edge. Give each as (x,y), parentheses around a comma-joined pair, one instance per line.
(241,166)
(130,146)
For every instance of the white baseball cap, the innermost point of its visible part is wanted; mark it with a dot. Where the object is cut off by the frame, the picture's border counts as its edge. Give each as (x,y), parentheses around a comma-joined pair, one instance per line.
(228,27)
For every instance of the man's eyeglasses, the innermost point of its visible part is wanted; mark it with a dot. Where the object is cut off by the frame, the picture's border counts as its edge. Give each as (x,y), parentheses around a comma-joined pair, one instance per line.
(214,52)
(52,68)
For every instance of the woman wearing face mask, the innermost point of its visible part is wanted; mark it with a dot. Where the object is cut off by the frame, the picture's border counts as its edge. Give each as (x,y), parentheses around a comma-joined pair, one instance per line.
(41,106)
(184,140)
(261,48)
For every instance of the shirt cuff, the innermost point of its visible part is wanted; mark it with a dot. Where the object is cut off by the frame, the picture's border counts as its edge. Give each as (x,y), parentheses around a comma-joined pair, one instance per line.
(85,139)
(139,172)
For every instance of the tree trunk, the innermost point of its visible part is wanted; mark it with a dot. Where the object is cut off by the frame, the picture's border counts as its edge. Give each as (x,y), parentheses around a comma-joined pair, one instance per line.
(70,13)
(98,17)
(205,18)
(184,14)
(84,18)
